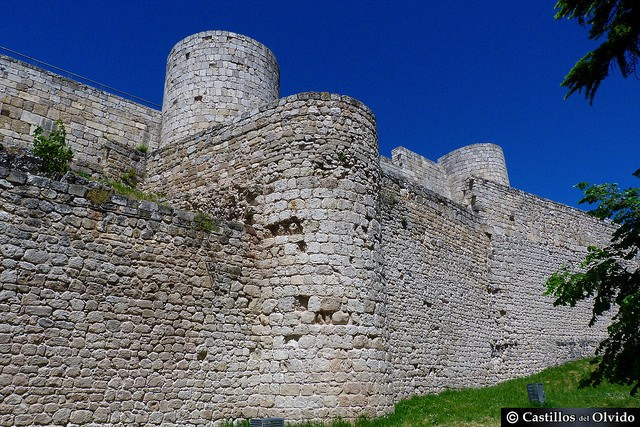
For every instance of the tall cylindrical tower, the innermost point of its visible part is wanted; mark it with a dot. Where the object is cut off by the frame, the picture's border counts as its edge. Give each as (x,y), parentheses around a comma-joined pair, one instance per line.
(212,77)
(483,160)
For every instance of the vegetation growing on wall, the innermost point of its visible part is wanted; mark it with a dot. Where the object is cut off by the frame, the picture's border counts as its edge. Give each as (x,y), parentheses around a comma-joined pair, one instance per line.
(204,222)
(53,150)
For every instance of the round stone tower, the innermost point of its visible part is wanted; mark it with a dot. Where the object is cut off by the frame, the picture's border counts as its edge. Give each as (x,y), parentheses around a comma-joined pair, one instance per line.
(213,77)
(481,160)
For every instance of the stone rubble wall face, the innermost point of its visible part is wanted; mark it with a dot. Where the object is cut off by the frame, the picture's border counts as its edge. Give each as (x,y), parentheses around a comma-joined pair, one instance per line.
(532,237)
(31,96)
(472,282)
(119,312)
(304,173)
(213,77)
(435,272)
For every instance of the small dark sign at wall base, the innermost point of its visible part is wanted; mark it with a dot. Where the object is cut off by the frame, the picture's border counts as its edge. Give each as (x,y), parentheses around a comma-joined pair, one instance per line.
(536,393)
(266,422)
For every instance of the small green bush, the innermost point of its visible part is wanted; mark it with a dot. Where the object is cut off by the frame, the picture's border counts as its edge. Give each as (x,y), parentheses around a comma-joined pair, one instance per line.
(204,222)
(143,148)
(130,178)
(342,158)
(83,174)
(128,191)
(98,196)
(53,150)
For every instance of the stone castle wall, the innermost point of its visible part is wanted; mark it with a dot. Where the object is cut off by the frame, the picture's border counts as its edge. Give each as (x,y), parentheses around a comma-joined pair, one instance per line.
(337,283)
(98,124)
(118,311)
(465,284)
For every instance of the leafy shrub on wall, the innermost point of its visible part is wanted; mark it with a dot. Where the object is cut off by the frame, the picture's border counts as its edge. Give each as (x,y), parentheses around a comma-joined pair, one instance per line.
(53,150)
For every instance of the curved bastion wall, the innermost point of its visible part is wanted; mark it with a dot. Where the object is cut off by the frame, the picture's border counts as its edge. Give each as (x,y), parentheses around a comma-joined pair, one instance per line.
(213,77)
(304,172)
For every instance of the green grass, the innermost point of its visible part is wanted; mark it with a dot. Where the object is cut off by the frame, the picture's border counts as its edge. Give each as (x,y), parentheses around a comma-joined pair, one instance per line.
(481,407)
(131,192)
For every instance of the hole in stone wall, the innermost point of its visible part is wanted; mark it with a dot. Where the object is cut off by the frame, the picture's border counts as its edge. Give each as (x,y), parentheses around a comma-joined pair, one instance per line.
(303,301)
(202,354)
(492,289)
(512,217)
(187,55)
(302,246)
(498,348)
(324,317)
(293,337)
(503,312)
(287,226)
(197,98)
(248,218)
(473,203)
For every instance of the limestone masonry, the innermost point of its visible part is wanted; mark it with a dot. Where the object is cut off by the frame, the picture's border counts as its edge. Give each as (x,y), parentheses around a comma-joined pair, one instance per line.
(336,282)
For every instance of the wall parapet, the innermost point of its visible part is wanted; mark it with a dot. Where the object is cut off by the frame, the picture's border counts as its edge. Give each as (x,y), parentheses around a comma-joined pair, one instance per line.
(448,175)
(31,96)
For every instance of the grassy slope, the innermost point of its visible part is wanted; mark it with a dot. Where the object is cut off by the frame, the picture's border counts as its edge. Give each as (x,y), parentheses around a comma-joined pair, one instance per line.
(481,407)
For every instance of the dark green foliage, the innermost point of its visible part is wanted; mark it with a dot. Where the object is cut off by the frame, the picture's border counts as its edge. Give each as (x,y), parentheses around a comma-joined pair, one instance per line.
(619,21)
(611,276)
(143,148)
(130,178)
(342,158)
(53,150)
(204,222)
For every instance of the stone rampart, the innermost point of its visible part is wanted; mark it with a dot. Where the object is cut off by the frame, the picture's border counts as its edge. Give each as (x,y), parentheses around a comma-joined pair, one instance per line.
(31,96)
(465,284)
(481,160)
(421,170)
(530,237)
(436,268)
(303,172)
(337,283)
(118,311)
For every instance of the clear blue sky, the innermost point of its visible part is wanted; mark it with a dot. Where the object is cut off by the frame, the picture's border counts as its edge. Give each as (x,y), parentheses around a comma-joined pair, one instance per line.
(438,75)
